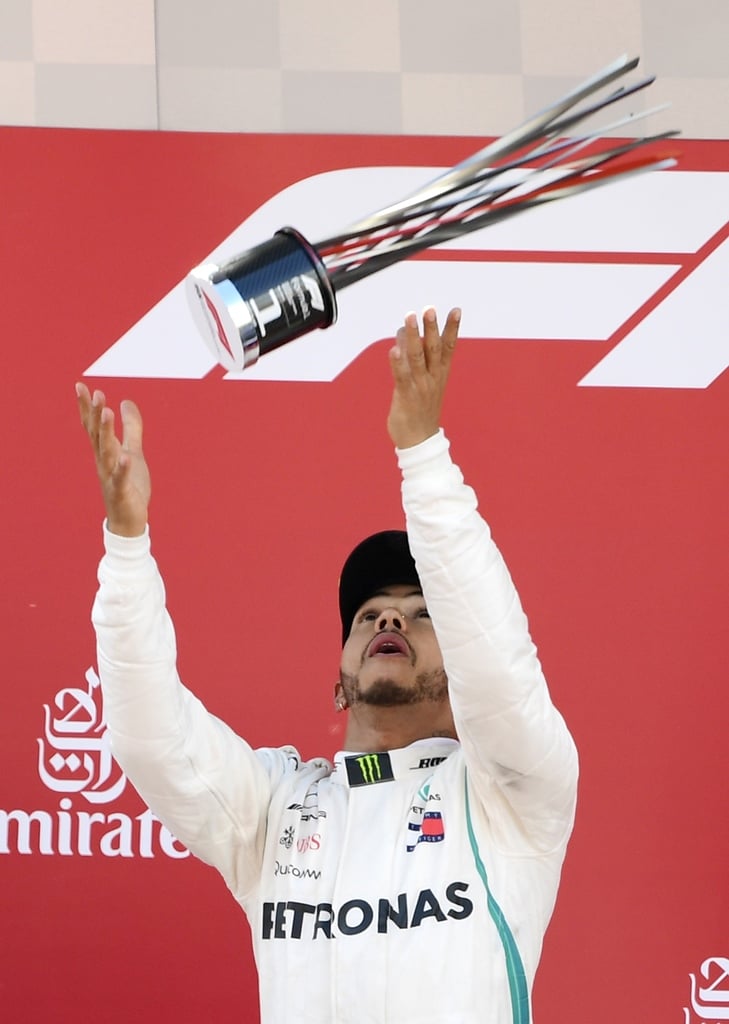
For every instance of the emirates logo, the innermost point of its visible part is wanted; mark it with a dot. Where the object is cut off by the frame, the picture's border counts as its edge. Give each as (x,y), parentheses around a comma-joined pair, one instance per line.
(75,762)
(74,754)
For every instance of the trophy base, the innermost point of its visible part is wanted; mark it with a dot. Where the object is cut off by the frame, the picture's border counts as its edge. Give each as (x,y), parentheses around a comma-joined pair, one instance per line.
(264,298)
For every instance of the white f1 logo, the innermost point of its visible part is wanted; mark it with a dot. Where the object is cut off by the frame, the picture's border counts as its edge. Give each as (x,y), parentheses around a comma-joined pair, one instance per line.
(643,264)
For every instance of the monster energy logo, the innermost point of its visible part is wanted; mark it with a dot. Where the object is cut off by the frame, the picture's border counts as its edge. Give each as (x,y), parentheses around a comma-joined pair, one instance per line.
(369,765)
(366,769)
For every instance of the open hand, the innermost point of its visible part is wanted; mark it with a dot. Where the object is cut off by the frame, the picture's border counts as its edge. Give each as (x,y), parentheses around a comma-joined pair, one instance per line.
(123,473)
(420,365)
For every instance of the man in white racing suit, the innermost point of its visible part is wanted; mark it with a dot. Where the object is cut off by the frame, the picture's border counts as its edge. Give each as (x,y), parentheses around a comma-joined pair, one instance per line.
(412,880)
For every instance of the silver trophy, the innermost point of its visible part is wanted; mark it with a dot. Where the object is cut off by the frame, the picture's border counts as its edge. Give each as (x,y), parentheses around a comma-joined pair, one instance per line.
(287,286)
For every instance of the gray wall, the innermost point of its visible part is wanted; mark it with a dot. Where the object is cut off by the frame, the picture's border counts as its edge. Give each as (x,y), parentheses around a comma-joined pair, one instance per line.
(407,66)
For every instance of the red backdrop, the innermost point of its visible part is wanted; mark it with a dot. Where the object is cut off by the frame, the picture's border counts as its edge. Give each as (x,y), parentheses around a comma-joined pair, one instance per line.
(609,503)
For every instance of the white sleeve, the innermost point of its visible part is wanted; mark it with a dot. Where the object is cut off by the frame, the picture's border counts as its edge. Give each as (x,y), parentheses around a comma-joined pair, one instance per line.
(205,783)
(510,732)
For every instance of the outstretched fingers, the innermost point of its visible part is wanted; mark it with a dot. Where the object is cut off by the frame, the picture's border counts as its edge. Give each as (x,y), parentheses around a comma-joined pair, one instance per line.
(430,354)
(125,481)
(448,339)
(432,344)
(420,363)
(132,428)
(411,347)
(109,449)
(98,420)
(83,400)
(432,351)
(89,408)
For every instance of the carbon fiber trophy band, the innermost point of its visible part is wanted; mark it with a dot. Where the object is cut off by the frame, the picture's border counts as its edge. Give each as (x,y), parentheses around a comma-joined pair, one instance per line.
(287,286)
(263,298)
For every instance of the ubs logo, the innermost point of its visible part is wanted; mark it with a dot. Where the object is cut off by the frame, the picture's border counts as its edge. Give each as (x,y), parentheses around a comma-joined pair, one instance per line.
(709,993)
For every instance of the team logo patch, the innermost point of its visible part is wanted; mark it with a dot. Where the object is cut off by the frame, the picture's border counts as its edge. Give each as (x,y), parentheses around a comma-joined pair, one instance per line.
(424,826)
(368,769)
(428,829)
(287,839)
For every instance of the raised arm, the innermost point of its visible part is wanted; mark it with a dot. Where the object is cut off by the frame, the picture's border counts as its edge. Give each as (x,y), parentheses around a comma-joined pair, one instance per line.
(204,782)
(511,734)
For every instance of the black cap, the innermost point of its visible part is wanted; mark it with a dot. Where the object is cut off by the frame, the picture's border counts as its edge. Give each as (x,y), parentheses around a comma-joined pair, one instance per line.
(382,560)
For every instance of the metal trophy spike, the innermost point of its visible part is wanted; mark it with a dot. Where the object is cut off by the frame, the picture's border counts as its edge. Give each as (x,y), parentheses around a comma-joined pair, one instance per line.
(287,286)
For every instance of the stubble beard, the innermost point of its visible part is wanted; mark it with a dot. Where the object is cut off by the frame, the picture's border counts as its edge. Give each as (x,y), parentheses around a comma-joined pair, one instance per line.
(428,687)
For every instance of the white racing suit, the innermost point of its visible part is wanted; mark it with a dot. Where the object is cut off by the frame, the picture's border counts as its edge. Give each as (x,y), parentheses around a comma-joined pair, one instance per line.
(407,887)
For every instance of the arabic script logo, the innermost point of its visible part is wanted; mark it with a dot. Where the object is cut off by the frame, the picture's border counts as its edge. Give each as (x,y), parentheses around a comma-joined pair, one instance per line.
(75,760)
(75,756)
(709,993)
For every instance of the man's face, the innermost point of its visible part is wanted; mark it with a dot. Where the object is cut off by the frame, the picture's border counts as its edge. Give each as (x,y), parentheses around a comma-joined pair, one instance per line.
(391,656)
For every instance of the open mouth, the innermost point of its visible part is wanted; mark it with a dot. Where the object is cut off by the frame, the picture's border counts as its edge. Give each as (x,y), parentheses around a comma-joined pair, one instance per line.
(388,644)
